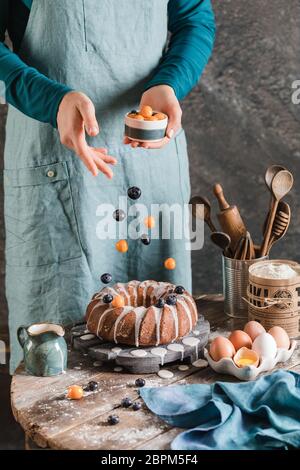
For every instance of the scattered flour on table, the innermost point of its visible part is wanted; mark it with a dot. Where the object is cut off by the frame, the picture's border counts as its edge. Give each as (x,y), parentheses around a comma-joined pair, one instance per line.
(274,271)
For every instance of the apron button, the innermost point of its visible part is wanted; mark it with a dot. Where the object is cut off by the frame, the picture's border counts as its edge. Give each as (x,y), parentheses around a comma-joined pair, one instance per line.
(50,174)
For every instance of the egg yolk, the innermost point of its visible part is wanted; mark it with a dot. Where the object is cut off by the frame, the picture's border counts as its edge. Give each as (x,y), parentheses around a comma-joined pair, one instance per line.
(245,362)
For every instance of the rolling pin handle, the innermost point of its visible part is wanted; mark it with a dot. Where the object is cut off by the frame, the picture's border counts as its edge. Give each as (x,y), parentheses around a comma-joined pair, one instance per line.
(218,191)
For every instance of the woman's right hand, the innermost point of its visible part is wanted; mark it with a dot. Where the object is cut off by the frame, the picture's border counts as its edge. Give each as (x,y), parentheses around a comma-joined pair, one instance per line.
(76,116)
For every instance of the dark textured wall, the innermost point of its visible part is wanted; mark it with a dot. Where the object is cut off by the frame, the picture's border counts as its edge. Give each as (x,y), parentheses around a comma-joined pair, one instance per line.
(239,120)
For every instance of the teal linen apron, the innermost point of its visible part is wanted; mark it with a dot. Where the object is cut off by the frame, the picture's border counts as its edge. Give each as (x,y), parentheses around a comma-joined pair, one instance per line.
(54,257)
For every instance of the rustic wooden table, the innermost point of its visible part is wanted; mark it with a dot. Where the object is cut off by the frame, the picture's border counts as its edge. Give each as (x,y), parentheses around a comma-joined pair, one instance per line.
(51,421)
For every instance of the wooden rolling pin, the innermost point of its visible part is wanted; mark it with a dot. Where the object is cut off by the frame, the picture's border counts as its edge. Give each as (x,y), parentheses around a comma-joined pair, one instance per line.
(229,218)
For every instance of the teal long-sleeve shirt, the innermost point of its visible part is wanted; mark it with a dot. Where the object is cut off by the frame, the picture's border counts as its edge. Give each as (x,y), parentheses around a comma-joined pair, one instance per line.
(192,28)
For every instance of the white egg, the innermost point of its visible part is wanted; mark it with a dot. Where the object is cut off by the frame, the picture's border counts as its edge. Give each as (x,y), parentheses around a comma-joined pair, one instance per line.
(265,345)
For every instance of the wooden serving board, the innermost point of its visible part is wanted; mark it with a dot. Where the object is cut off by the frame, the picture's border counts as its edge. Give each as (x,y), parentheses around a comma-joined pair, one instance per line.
(105,352)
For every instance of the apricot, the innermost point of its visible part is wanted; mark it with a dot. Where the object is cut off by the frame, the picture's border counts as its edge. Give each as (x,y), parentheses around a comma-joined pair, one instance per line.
(170,264)
(122,246)
(149,222)
(118,302)
(75,392)
(146,111)
(160,116)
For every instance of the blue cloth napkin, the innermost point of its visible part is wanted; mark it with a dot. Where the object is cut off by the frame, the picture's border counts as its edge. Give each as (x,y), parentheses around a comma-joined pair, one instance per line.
(264,414)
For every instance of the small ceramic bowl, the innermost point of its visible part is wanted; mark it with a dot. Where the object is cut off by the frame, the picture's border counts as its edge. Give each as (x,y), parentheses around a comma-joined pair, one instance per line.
(145,131)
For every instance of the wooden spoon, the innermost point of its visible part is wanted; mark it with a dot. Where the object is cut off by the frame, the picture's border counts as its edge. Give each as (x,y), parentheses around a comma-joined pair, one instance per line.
(281,224)
(270,173)
(223,241)
(269,176)
(281,185)
(197,210)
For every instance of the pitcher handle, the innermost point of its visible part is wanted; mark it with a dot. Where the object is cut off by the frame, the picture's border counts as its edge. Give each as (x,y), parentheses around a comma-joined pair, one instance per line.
(21,336)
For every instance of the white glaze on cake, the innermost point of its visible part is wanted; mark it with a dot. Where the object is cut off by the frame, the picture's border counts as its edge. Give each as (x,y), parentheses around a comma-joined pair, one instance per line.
(177,348)
(193,342)
(126,310)
(140,298)
(161,352)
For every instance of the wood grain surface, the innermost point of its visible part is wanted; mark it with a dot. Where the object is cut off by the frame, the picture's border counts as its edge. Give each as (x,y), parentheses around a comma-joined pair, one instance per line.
(52,421)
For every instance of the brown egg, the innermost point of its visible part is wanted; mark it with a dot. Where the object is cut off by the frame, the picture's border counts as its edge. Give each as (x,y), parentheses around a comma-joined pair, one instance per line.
(240,339)
(221,347)
(281,337)
(253,329)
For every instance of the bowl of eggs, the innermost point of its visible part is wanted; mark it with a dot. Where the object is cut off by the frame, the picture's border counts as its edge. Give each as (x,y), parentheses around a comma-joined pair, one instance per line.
(146,125)
(246,353)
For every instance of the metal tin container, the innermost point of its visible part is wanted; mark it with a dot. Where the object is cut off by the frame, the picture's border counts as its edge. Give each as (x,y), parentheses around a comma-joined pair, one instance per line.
(235,284)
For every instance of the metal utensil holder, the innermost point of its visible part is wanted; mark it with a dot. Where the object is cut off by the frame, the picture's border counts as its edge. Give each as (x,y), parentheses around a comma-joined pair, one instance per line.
(235,284)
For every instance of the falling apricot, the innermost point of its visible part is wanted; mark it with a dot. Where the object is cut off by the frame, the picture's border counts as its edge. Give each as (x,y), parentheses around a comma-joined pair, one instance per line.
(118,302)
(122,246)
(75,392)
(149,222)
(146,111)
(170,264)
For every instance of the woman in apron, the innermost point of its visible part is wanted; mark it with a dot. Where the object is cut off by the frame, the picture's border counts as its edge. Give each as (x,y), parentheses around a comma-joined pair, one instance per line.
(78,67)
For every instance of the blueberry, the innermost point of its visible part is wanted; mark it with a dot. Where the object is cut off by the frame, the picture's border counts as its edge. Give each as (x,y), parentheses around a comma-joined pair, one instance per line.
(179,290)
(113,419)
(126,402)
(171,299)
(136,406)
(133,111)
(107,299)
(106,278)
(119,215)
(145,240)
(160,303)
(92,386)
(134,193)
(140,382)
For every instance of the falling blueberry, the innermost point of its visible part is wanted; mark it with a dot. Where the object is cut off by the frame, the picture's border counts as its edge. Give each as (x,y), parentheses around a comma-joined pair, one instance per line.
(160,303)
(107,299)
(119,215)
(134,193)
(145,240)
(171,300)
(179,290)
(140,383)
(106,278)
(126,402)
(92,386)
(136,406)
(113,419)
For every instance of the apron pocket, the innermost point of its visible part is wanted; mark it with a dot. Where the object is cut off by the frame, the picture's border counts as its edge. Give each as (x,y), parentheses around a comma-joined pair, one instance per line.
(41,226)
(183,162)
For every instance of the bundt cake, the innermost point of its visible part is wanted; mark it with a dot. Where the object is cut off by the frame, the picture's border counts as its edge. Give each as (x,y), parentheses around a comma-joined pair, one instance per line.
(152,313)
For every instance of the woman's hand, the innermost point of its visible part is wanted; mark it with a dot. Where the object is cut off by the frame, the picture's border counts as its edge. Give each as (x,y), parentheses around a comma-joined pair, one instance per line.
(76,116)
(161,98)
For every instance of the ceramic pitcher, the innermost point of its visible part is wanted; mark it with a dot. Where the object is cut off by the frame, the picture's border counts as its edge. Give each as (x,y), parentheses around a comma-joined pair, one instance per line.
(45,349)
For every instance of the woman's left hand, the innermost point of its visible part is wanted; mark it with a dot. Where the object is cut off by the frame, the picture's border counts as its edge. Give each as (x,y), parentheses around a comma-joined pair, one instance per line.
(163,99)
